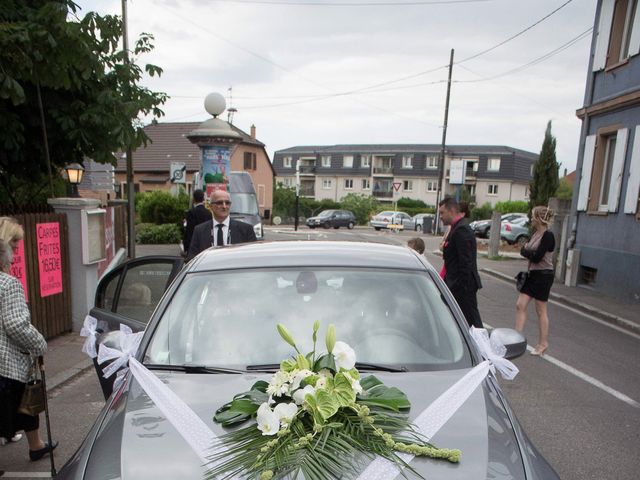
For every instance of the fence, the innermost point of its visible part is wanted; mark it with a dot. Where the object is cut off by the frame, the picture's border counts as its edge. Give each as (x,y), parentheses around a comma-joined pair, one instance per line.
(51,313)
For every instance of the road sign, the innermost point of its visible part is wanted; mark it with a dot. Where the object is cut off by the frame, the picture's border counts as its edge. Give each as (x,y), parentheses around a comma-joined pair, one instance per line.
(396,186)
(177,172)
(456,173)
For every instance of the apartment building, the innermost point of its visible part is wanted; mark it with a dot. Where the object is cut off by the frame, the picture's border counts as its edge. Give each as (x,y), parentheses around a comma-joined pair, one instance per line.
(390,172)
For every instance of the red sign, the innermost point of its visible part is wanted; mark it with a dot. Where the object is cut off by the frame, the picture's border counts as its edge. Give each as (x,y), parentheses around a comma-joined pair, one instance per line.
(49,258)
(19,269)
(396,186)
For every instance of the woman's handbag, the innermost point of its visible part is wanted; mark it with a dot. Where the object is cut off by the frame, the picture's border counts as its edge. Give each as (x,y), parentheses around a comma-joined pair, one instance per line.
(521,279)
(32,402)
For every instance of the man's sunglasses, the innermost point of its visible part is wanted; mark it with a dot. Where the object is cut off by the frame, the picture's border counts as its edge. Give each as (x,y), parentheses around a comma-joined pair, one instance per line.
(222,202)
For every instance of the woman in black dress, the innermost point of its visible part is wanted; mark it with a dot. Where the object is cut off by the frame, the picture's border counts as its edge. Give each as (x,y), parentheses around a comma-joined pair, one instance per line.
(539,252)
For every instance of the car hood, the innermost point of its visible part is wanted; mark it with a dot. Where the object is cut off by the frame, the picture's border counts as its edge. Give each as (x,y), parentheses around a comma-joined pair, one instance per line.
(137,442)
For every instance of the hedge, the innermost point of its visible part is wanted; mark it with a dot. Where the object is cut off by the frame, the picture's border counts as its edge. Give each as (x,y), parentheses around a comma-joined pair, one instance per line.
(151,234)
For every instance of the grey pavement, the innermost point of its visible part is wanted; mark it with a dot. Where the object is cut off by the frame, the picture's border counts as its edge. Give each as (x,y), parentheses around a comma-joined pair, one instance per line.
(64,359)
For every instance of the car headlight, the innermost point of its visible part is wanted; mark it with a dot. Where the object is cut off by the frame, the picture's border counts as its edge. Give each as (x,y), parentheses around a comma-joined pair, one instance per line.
(257,228)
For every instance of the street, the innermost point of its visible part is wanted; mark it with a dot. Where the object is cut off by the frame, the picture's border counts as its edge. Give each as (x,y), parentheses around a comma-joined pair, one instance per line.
(579,404)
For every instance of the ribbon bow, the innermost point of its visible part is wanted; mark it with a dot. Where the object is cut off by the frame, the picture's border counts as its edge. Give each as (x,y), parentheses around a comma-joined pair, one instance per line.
(129,343)
(494,351)
(89,330)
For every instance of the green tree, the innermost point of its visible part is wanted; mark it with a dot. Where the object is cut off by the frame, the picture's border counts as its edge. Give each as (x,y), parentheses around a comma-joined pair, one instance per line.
(362,206)
(284,201)
(406,202)
(71,71)
(565,190)
(545,172)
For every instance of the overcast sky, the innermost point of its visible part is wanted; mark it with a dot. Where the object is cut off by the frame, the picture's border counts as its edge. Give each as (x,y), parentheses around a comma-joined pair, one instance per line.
(325,72)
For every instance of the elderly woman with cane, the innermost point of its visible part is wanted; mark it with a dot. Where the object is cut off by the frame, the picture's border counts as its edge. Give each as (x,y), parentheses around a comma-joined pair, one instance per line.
(19,342)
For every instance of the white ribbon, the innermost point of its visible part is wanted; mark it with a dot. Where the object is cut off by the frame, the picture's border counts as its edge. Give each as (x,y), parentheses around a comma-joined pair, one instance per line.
(129,343)
(447,404)
(494,351)
(89,330)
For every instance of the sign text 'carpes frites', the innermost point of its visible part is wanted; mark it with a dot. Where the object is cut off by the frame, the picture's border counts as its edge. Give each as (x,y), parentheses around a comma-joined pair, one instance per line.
(49,258)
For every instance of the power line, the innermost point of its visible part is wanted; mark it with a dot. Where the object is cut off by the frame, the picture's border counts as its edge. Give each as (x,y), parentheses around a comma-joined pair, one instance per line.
(355,4)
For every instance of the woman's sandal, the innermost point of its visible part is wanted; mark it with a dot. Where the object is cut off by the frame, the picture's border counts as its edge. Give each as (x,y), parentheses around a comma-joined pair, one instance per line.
(539,351)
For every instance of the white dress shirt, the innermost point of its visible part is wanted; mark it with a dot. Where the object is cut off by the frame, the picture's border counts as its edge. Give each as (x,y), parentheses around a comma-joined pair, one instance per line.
(225,232)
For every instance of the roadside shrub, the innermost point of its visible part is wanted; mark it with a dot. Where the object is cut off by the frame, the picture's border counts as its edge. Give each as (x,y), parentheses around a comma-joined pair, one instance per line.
(482,213)
(514,206)
(406,203)
(361,205)
(160,207)
(151,234)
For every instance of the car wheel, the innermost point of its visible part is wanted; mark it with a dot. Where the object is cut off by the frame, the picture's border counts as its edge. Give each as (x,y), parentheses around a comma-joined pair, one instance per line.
(312,227)
(486,233)
(377,228)
(350,226)
(336,227)
(326,225)
(522,240)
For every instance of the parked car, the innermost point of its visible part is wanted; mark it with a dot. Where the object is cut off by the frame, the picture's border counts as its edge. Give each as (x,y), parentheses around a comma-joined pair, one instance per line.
(333,218)
(389,217)
(482,228)
(213,334)
(517,231)
(418,220)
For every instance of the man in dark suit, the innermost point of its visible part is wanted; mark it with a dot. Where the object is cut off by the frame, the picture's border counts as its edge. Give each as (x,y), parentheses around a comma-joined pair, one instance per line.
(195,216)
(459,253)
(219,230)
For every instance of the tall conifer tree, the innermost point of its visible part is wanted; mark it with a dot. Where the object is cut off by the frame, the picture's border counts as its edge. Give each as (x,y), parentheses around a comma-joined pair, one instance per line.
(545,172)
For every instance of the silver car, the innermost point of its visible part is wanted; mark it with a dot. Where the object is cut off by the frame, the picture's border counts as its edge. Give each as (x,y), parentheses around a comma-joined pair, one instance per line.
(213,335)
(516,231)
(392,219)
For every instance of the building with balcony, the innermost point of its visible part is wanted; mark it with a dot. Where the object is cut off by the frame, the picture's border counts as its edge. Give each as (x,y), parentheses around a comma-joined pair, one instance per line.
(605,223)
(390,172)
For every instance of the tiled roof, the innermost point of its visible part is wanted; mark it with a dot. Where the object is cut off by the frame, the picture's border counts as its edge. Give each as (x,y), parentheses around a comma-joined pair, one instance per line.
(169,143)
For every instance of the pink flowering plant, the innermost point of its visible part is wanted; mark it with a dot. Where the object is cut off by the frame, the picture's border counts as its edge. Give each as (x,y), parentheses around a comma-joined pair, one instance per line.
(316,416)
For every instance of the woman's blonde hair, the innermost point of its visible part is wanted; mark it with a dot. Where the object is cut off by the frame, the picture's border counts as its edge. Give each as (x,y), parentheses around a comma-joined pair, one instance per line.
(10,229)
(543,214)
(6,256)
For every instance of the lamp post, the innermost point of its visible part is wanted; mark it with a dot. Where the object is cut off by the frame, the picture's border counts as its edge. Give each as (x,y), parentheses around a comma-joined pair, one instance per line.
(295,222)
(74,175)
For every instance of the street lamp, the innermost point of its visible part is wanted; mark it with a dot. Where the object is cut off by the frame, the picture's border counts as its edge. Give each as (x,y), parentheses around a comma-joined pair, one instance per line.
(74,175)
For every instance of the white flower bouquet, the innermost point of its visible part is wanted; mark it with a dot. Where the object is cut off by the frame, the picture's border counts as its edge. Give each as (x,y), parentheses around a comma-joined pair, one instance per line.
(316,416)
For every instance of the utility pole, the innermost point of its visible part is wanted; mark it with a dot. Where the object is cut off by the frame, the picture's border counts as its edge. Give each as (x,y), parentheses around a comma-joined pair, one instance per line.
(295,222)
(444,142)
(131,233)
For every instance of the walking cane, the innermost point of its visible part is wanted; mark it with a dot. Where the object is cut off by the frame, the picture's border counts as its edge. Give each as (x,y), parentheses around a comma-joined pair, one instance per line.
(46,413)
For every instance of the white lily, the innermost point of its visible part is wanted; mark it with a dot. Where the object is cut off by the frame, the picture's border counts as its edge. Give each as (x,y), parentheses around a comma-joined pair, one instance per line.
(300,394)
(344,356)
(268,421)
(285,411)
(298,376)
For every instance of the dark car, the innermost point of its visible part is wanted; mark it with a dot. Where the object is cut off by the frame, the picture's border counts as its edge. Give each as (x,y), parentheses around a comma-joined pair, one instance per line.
(333,218)
(213,334)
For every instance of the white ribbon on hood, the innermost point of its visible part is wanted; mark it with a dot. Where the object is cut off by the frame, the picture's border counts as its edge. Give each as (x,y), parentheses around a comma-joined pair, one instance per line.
(447,404)
(188,424)
(89,330)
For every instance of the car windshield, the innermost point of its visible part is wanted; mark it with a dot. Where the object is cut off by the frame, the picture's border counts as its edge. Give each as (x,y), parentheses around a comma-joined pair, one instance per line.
(386,213)
(244,203)
(228,319)
(326,213)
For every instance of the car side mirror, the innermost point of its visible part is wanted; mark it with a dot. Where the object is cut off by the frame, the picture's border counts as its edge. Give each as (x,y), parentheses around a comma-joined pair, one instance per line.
(267,214)
(513,340)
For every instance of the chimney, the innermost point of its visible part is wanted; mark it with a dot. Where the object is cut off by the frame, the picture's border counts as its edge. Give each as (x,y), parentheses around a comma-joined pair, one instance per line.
(253,132)
(565,172)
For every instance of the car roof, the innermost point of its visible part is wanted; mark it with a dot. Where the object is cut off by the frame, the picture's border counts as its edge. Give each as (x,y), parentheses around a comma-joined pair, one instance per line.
(307,254)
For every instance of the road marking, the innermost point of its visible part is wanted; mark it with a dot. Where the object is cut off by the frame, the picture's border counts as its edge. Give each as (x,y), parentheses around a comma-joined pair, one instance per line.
(583,376)
(27,474)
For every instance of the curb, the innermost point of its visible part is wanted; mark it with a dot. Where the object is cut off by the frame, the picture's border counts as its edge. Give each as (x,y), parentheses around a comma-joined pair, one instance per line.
(68,374)
(605,316)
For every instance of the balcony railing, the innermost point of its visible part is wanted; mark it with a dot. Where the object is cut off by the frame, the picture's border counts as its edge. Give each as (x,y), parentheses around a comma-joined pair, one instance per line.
(382,170)
(307,192)
(307,169)
(383,193)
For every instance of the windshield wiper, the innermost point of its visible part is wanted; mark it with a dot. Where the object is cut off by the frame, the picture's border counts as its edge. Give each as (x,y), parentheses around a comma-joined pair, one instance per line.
(380,367)
(194,369)
(359,365)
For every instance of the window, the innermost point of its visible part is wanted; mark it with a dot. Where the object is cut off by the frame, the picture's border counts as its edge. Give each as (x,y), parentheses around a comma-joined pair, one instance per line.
(287,182)
(432,162)
(365,161)
(141,290)
(348,183)
(347,161)
(286,162)
(407,161)
(407,185)
(493,189)
(326,183)
(366,184)
(602,166)
(325,160)
(618,33)
(432,186)
(493,165)
(249,161)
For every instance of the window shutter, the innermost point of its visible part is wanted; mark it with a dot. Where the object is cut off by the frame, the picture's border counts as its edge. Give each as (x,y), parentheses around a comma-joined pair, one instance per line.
(603,33)
(634,42)
(633,184)
(617,169)
(587,165)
